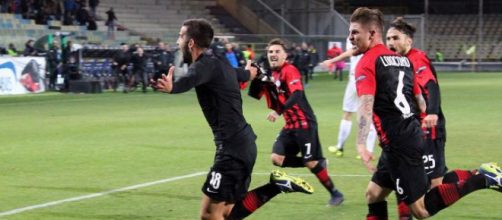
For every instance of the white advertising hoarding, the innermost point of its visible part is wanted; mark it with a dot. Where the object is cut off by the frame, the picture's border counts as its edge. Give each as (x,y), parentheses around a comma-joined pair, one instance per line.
(22,75)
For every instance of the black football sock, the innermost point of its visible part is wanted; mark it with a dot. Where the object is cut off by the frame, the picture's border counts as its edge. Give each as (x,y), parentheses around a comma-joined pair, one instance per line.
(458,175)
(444,195)
(321,172)
(253,200)
(292,161)
(377,211)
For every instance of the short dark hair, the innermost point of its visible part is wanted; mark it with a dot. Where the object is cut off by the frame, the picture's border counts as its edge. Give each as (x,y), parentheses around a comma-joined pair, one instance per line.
(277,41)
(200,31)
(367,16)
(401,25)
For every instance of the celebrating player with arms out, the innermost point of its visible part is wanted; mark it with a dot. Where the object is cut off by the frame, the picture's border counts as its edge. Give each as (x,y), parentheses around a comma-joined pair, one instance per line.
(387,90)
(216,85)
(299,134)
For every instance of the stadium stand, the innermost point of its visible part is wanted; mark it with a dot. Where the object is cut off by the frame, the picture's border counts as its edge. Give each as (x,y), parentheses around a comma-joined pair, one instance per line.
(159,19)
(14,29)
(454,34)
(231,23)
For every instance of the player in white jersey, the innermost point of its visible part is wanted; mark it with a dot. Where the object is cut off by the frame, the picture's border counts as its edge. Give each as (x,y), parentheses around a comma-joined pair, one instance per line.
(350,104)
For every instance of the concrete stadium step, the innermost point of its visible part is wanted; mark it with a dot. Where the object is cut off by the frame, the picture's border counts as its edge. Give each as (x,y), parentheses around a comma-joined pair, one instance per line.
(162,18)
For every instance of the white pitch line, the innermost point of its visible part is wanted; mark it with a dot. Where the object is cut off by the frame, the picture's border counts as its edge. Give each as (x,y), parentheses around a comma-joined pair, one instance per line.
(94,195)
(127,188)
(310,174)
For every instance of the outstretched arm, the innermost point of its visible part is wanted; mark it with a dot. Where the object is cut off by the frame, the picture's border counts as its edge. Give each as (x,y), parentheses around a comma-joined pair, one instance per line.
(348,53)
(365,113)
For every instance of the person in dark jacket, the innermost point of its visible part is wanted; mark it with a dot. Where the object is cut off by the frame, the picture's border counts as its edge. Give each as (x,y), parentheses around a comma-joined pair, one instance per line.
(302,61)
(120,63)
(162,59)
(93,4)
(139,74)
(29,50)
(53,64)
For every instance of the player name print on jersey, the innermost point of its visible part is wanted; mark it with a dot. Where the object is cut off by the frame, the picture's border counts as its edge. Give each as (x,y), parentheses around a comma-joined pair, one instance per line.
(397,61)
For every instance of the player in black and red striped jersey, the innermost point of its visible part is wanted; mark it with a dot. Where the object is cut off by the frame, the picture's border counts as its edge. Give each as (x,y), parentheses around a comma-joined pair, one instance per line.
(286,97)
(400,39)
(388,95)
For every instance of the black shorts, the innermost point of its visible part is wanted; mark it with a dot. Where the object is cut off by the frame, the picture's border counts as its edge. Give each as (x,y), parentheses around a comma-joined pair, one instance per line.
(402,169)
(434,158)
(228,180)
(290,142)
(229,177)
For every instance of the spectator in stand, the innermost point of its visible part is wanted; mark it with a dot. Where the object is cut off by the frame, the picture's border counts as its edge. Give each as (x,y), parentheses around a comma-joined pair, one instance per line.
(93,4)
(70,9)
(50,11)
(82,16)
(12,51)
(40,16)
(80,4)
(4,8)
(28,9)
(110,23)
(29,50)
(91,24)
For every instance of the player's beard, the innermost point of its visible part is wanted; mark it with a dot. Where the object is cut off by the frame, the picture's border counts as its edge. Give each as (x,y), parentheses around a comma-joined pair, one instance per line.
(187,56)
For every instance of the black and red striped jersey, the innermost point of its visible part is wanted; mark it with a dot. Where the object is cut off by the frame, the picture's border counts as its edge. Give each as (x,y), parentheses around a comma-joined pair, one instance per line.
(287,81)
(390,79)
(425,75)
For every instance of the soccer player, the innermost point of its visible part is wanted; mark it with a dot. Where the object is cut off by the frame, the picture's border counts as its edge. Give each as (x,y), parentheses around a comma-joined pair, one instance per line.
(350,104)
(388,93)
(400,40)
(225,191)
(299,134)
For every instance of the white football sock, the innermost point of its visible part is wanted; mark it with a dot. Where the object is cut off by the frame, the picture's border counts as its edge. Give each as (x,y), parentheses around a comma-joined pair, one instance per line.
(343,134)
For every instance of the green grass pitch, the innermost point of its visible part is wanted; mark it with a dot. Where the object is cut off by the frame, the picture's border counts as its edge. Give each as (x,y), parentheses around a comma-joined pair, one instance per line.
(60,146)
